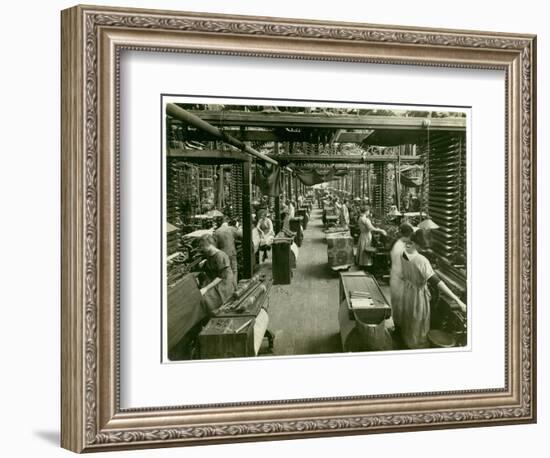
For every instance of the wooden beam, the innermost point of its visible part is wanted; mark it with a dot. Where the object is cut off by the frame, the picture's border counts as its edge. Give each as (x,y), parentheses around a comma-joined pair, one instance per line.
(275,135)
(208,156)
(309,165)
(341,159)
(322,120)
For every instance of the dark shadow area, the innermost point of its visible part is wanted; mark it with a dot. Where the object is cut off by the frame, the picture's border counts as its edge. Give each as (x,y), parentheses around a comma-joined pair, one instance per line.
(52,437)
(319,272)
(324,345)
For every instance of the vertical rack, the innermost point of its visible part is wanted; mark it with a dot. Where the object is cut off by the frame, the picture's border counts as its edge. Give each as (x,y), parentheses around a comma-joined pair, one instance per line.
(236,187)
(447,197)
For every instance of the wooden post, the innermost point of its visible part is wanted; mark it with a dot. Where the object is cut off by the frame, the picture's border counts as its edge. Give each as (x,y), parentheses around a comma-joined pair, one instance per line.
(199,189)
(398,181)
(368,183)
(277,214)
(247,246)
(289,187)
(220,198)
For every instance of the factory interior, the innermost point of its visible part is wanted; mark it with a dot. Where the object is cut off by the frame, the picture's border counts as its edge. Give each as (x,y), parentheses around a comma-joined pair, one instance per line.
(295,230)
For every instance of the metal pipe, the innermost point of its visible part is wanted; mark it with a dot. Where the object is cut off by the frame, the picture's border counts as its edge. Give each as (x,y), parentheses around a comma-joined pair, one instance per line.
(189,118)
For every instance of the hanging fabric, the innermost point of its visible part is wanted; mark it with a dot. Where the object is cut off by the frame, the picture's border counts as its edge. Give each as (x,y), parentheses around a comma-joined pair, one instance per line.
(410,182)
(268,179)
(310,177)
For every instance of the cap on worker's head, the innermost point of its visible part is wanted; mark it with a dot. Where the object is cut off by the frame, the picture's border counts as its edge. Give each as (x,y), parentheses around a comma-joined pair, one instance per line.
(406,229)
(420,238)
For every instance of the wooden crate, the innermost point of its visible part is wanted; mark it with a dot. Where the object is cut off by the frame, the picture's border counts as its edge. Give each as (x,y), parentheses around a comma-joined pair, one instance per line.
(359,281)
(219,338)
(340,250)
(282,271)
(184,309)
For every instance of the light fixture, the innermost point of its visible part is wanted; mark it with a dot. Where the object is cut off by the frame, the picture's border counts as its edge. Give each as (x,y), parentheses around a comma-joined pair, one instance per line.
(427,224)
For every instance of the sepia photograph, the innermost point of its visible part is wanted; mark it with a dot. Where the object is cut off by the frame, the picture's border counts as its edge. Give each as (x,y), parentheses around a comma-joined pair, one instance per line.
(295,228)
(309,229)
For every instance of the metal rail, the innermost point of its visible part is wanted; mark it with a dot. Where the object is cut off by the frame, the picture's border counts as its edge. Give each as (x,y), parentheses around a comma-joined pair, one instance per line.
(189,118)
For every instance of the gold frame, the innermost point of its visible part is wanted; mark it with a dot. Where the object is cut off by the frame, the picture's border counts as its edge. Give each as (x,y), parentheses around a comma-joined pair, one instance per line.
(92,38)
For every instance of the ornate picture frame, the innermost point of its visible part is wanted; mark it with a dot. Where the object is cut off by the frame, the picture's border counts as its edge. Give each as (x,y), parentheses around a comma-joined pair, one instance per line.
(92,40)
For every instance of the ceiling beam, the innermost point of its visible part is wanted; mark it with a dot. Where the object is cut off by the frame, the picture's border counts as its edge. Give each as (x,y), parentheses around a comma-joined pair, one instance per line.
(325,120)
(341,159)
(207,156)
(279,135)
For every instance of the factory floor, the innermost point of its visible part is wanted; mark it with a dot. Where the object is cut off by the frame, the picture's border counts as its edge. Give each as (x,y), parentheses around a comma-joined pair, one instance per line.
(303,316)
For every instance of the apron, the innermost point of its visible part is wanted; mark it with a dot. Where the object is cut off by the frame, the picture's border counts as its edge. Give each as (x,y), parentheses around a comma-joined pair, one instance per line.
(415,300)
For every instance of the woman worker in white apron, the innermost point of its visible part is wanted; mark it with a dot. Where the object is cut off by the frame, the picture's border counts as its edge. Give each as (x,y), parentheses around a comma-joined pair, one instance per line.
(396,279)
(417,273)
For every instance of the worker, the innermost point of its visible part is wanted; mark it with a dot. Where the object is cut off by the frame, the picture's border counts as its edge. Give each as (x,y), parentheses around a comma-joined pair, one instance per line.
(225,237)
(344,214)
(396,279)
(364,257)
(407,202)
(354,213)
(265,230)
(337,204)
(290,209)
(216,265)
(285,219)
(418,274)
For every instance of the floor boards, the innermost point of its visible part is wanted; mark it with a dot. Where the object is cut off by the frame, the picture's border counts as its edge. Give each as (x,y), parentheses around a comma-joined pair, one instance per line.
(304,315)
